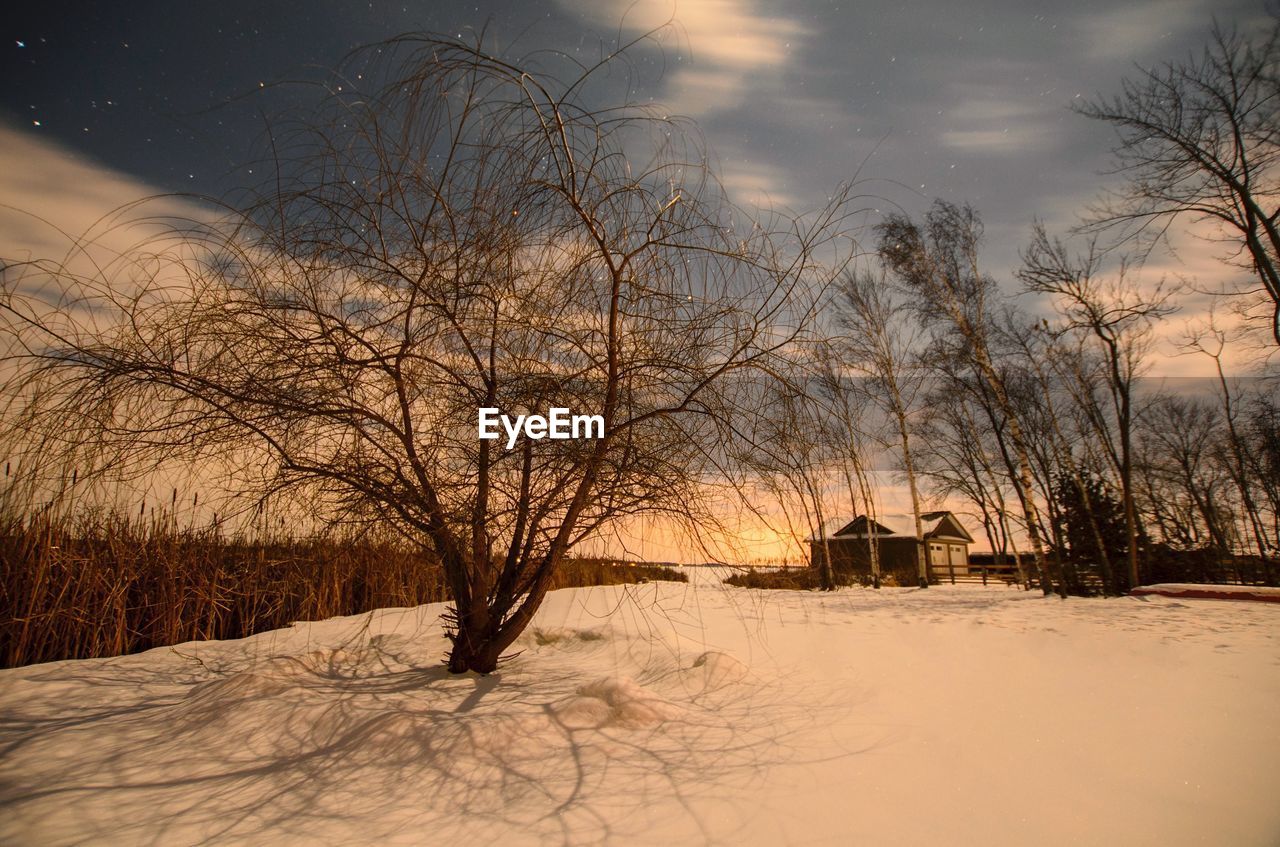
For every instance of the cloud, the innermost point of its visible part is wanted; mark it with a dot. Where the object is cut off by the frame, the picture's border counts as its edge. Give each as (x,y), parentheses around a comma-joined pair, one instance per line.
(757,184)
(1003,122)
(721,55)
(52,202)
(993,141)
(715,45)
(1138,29)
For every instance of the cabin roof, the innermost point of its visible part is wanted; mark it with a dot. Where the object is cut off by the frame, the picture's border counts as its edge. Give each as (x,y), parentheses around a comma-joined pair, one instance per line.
(942,524)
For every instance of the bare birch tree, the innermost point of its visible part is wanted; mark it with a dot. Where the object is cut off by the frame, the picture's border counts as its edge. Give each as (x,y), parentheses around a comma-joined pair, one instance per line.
(1179,435)
(937,261)
(844,399)
(958,460)
(877,343)
(789,452)
(1044,354)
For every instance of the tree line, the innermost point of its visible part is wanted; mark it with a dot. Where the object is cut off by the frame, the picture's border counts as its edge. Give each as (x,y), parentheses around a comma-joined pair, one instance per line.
(1026,400)
(1089,477)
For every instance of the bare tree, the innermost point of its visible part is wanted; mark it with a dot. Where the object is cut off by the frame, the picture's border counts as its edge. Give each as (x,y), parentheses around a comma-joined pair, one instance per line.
(937,261)
(877,343)
(468,233)
(957,461)
(795,455)
(1055,365)
(1212,342)
(1111,310)
(1262,434)
(844,400)
(1201,139)
(1178,436)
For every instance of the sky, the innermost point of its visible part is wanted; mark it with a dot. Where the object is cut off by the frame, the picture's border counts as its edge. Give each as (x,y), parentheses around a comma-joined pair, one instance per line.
(966,101)
(970,102)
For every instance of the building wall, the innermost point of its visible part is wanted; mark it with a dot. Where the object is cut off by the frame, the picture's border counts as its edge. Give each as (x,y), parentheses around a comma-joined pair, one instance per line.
(897,557)
(850,555)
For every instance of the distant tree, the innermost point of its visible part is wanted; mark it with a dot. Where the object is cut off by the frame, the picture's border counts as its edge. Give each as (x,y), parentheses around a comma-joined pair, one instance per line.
(936,261)
(1241,467)
(1200,139)
(790,453)
(1066,453)
(1093,526)
(876,343)
(1187,486)
(1118,318)
(1262,437)
(467,232)
(846,401)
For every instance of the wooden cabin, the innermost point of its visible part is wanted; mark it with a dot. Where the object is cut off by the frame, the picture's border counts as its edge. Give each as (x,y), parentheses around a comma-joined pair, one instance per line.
(945,538)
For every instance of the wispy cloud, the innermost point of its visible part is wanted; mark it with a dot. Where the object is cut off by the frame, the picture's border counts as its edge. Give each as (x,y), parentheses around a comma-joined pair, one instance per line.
(1138,29)
(757,184)
(715,45)
(998,125)
(720,55)
(52,200)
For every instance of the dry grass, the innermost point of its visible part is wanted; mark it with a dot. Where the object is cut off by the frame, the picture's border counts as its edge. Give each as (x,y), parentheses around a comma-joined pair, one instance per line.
(94,586)
(104,586)
(793,579)
(575,572)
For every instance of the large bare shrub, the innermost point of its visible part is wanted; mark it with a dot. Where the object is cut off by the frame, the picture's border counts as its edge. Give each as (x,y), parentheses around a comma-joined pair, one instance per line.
(470,232)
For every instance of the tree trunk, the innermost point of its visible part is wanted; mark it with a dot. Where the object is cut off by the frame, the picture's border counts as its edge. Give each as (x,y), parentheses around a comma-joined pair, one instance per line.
(922,564)
(475,643)
(1019,465)
(473,651)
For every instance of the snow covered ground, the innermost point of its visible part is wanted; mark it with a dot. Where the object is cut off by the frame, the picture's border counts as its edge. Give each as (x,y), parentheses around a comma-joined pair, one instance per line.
(668,713)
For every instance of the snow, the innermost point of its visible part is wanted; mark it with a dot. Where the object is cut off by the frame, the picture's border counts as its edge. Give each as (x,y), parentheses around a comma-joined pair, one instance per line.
(1210,592)
(900,524)
(896,524)
(675,713)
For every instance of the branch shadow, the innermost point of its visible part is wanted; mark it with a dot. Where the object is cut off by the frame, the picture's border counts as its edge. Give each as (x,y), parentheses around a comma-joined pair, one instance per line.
(373,741)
